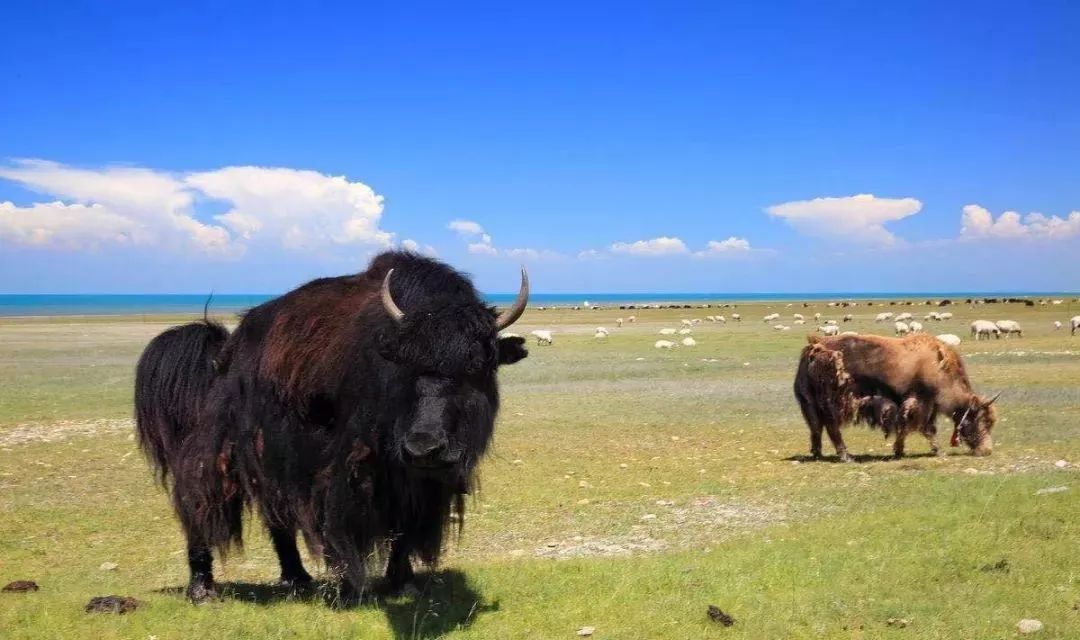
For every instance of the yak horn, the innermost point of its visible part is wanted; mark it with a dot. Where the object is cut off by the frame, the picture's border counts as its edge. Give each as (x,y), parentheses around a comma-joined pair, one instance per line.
(388,303)
(996,396)
(511,315)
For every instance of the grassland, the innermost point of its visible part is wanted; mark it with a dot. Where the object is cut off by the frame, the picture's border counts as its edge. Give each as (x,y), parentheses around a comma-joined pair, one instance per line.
(629,488)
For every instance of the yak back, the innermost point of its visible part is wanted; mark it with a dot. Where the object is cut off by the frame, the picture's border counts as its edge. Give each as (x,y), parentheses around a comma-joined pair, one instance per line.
(918,364)
(303,342)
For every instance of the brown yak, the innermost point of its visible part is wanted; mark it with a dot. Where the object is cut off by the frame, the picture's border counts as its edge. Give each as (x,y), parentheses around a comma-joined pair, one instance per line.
(898,384)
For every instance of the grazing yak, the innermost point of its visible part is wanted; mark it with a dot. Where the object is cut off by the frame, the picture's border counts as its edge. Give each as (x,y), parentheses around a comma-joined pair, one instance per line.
(838,376)
(353,410)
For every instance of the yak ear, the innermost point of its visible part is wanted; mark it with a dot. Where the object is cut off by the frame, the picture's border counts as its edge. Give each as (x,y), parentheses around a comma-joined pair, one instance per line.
(512,350)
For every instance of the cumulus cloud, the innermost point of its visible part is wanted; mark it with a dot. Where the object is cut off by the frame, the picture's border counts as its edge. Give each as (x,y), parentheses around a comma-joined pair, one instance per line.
(662,246)
(483,248)
(730,247)
(465,228)
(860,217)
(480,243)
(977,222)
(292,208)
(409,244)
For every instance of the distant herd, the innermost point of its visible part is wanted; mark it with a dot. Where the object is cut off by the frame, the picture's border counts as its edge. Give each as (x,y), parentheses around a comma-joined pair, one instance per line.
(354,410)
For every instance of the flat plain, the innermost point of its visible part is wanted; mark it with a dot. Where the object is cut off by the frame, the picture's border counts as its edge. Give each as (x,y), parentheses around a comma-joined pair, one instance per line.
(628,489)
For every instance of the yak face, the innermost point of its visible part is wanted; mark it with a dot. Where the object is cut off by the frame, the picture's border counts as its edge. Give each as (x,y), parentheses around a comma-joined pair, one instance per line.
(447,358)
(974,423)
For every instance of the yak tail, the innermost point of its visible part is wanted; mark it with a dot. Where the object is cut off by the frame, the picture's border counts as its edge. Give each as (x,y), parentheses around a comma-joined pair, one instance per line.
(171,382)
(823,386)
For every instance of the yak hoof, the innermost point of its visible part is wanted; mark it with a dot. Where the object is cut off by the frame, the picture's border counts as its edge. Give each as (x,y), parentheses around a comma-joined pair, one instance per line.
(202,592)
(296,581)
(846,457)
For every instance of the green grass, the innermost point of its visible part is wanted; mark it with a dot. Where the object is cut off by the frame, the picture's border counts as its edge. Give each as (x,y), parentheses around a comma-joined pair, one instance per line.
(622,494)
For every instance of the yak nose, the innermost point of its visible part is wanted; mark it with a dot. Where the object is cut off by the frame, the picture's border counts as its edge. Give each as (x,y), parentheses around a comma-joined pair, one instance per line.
(422,444)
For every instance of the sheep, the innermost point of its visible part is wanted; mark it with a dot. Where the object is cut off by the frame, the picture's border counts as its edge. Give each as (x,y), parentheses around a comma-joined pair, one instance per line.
(902,329)
(685,332)
(1009,327)
(711,318)
(687,323)
(800,321)
(950,339)
(798,316)
(695,321)
(831,322)
(632,319)
(933,315)
(664,344)
(781,327)
(981,328)
(688,342)
(543,337)
(721,319)
(903,317)
(601,332)
(915,326)
(771,317)
(1074,324)
(848,317)
(945,316)
(829,329)
(1057,324)
(817,316)
(736,317)
(1056,301)
(618,322)
(667,331)
(882,317)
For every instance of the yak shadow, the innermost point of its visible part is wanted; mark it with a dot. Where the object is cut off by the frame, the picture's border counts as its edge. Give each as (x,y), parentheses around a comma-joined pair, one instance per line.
(445,601)
(860,457)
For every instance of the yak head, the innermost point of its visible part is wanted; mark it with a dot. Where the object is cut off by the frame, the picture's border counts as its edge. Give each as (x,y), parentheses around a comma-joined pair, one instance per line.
(447,357)
(974,423)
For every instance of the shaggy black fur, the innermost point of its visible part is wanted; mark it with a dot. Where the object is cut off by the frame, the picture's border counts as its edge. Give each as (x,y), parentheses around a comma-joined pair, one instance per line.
(329,418)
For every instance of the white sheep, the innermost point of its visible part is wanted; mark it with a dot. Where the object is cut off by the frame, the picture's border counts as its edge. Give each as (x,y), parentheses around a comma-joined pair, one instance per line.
(829,329)
(687,323)
(945,316)
(817,316)
(711,318)
(781,327)
(915,326)
(981,328)
(601,332)
(1074,324)
(903,317)
(950,339)
(632,319)
(618,322)
(736,317)
(695,321)
(933,315)
(771,317)
(543,336)
(831,322)
(1009,327)
(685,332)
(689,342)
(664,344)
(800,321)
(1057,324)
(667,331)
(882,317)
(798,316)
(721,319)
(848,317)
(902,329)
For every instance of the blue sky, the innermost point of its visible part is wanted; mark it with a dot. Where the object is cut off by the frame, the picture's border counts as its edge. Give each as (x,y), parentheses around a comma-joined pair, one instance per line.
(248,147)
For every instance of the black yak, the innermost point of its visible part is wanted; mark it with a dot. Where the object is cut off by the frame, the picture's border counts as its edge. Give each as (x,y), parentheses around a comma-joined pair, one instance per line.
(897,384)
(352,409)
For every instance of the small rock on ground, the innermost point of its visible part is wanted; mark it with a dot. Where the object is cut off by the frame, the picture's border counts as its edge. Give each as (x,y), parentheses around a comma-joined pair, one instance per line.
(898,622)
(1061,464)
(108,566)
(586,631)
(1043,492)
(717,615)
(20,586)
(112,604)
(1028,625)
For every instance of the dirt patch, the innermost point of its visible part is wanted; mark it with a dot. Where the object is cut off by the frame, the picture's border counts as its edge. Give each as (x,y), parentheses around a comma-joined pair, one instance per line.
(62,430)
(579,546)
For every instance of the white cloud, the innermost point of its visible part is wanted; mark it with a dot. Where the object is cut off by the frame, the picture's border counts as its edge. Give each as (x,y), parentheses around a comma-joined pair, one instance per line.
(294,208)
(731,246)
(483,248)
(977,222)
(861,217)
(662,246)
(409,244)
(590,254)
(465,227)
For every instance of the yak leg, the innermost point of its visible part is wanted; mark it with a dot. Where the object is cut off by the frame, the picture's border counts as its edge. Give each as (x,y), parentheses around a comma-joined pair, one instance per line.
(815,441)
(292,568)
(898,445)
(813,423)
(838,441)
(201,584)
(399,571)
